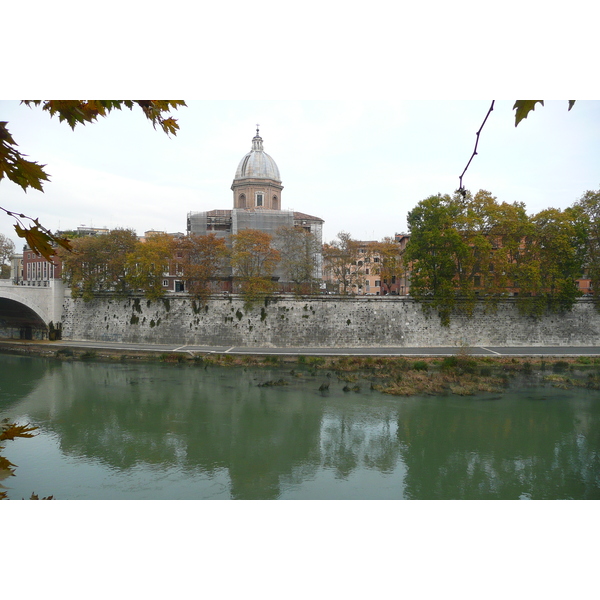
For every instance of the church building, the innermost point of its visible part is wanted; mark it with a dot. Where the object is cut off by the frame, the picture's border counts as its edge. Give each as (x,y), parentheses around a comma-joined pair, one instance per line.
(257,204)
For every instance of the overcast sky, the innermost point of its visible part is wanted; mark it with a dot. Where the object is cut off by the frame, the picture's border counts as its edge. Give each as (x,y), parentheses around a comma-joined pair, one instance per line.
(359,165)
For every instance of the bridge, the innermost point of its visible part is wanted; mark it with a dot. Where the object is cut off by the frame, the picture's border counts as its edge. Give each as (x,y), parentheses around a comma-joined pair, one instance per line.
(30,312)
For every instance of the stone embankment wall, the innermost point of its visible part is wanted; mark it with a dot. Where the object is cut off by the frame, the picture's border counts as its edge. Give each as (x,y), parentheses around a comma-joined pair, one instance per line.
(319,321)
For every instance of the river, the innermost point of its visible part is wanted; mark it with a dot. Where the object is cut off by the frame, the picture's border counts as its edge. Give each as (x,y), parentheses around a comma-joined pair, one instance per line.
(159,431)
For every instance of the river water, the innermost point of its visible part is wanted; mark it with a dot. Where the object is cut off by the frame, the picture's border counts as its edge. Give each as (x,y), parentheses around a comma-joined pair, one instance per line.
(157,431)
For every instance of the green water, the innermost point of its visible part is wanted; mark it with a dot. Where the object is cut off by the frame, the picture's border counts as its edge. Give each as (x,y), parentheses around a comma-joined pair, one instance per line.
(154,431)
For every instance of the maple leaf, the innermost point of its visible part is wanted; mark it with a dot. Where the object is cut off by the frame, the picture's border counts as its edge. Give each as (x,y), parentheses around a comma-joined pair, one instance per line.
(12,430)
(13,165)
(6,469)
(523,108)
(38,240)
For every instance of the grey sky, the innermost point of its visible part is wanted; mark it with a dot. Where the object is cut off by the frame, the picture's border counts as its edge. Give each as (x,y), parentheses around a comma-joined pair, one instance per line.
(359,165)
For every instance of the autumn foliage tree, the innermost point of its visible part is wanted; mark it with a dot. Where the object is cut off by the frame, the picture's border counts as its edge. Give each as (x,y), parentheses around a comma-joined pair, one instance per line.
(146,264)
(99,263)
(340,262)
(390,266)
(202,262)
(253,260)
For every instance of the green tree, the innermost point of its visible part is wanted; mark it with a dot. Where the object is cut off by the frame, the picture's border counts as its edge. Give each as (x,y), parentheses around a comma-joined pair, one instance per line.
(299,251)
(464,249)
(29,174)
(588,207)
(553,258)
(202,263)
(434,252)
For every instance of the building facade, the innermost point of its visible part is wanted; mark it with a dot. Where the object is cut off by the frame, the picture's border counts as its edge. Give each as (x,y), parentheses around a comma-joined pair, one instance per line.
(257,204)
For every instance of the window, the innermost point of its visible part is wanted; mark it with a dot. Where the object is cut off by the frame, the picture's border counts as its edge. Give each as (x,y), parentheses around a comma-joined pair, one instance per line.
(366,271)
(259,199)
(377,283)
(165,283)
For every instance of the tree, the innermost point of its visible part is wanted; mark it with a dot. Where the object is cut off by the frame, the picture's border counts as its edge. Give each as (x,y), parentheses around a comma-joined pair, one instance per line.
(29,174)
(588,207)
(98,263)
(202,262)
(434,248)
(300,251)
(463,249)
(147,263)
(390,266)
(7,249)
(340,261)
(254,260)
(553,259)
(475,248)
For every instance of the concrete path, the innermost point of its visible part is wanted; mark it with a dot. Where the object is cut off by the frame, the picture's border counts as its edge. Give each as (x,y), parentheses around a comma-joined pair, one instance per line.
(399,351)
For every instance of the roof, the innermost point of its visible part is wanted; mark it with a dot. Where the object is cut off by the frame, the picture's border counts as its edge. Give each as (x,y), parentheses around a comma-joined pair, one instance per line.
(257,164)
(305,217)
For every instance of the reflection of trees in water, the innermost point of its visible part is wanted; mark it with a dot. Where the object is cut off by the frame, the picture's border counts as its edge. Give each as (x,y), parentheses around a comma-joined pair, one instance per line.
(199,420)
(19,375)
(479,449)
(195,419)
(359,441)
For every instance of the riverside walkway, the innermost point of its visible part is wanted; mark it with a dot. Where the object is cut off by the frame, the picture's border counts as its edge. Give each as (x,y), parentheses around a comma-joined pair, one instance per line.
(307,351)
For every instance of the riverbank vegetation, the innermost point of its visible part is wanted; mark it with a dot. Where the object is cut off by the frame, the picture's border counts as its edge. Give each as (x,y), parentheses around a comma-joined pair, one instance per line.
(460,374)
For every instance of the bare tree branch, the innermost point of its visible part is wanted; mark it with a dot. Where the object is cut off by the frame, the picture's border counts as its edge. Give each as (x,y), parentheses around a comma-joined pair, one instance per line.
(461,189)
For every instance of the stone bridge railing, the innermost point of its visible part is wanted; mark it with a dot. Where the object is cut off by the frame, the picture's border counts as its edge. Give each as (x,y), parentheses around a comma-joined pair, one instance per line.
(46,302)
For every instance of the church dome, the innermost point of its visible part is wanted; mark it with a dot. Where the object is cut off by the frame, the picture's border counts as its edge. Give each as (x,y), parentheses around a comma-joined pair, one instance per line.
(257,164)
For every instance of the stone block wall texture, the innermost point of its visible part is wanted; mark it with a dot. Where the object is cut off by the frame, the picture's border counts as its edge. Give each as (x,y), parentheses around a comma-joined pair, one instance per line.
(286,321)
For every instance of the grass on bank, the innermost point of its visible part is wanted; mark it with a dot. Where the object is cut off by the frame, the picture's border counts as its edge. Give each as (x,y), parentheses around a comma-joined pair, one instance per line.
(461,374)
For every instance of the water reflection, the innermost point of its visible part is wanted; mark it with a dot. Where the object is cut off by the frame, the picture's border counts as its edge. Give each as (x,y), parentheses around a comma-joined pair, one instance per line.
(293,441)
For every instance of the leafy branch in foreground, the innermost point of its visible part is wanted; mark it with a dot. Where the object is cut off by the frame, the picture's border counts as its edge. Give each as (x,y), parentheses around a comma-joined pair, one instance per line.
(10,431)
(29,174)
(524,107)
(37,236)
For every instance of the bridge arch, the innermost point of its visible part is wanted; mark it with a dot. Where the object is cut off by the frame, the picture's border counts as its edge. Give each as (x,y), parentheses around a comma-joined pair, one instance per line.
(19,321)
(30,312)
